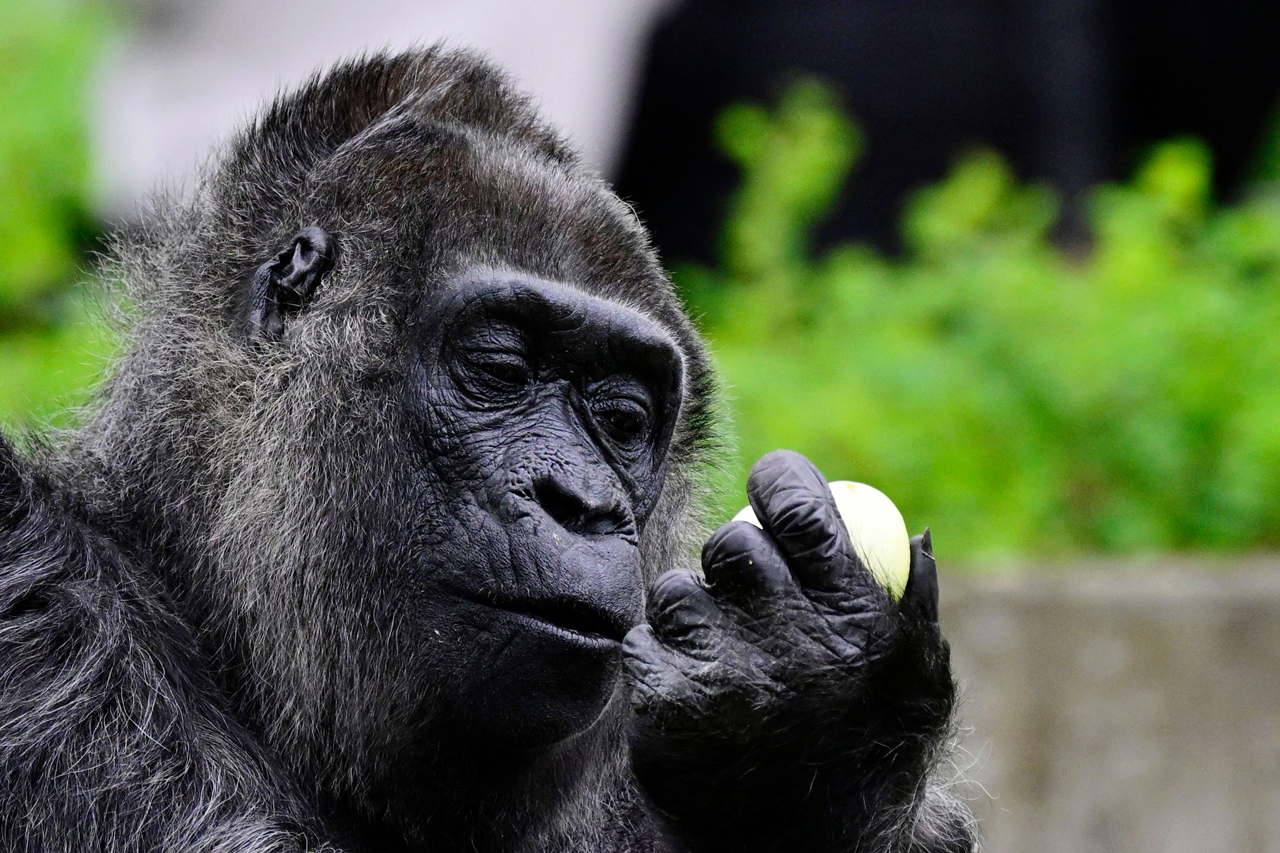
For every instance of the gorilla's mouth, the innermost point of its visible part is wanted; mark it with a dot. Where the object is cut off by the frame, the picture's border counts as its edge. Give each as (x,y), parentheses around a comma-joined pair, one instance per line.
(588,621)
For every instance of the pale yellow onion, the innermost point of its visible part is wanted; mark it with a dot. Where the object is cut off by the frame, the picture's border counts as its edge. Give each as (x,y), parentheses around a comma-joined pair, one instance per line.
(876,528)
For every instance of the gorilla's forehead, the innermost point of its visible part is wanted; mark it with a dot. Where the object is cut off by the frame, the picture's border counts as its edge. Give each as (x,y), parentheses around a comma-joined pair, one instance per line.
(460,185)
(453,198)
(588,324)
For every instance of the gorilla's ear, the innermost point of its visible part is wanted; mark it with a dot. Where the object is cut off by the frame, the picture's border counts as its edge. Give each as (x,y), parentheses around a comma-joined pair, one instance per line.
(287,282)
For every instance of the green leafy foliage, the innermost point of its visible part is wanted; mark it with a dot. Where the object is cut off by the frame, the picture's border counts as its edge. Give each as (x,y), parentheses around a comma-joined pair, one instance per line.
(50,346)
(1017,397)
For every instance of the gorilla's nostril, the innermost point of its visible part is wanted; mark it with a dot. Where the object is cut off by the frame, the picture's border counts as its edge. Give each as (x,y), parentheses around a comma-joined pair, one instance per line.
(587,512)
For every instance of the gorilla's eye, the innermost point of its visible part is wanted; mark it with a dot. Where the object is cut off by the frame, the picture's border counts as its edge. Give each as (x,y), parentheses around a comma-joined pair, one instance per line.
(507,368)
(493,358)
(625,420)
(500,370)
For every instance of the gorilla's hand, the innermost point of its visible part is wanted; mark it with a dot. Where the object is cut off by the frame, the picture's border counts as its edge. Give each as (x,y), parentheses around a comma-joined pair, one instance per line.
(788,702)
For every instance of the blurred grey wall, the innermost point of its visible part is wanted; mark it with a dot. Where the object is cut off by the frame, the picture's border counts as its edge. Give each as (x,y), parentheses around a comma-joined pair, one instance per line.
(1121,708)
(191,71)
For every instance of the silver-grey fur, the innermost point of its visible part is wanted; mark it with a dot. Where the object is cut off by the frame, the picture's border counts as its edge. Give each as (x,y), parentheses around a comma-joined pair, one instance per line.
(195,651)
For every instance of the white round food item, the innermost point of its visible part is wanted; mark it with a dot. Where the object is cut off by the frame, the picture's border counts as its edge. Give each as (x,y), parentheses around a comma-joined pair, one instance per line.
(876,528)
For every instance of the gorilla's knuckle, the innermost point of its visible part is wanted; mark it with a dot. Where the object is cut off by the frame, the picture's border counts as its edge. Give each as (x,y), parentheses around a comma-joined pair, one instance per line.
(732,542)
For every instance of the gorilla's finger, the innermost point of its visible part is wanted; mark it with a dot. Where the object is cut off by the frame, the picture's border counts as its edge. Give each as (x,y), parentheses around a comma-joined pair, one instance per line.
(743,565)
(658,672)
(920,598)
(681,612)
(791,499)
(668,683)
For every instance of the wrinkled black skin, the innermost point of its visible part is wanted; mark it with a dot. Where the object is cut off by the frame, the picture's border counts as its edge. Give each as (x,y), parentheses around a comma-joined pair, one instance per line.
(360,549)
(541,422)
(783,700)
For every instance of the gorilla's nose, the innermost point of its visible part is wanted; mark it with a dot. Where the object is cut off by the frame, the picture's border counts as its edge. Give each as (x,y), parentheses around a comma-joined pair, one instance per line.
(583,505)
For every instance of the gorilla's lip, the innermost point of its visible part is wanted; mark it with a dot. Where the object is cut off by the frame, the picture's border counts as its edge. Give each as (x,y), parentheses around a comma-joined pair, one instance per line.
(582,618)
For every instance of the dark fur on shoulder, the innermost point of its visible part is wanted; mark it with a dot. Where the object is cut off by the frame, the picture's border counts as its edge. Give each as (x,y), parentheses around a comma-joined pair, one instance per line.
(111,736)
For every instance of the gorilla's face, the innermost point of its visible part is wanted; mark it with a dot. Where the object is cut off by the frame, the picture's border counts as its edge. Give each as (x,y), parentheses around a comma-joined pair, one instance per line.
(467,457)
(543,417)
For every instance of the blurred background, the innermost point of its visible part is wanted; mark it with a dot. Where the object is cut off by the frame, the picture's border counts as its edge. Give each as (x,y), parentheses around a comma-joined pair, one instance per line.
(1014,262)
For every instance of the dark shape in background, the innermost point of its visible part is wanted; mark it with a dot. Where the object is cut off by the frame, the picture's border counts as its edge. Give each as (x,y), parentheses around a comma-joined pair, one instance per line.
(1071,91)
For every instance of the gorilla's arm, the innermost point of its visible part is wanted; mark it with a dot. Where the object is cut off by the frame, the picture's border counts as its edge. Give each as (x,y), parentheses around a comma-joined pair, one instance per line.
(111,737)
(786,702)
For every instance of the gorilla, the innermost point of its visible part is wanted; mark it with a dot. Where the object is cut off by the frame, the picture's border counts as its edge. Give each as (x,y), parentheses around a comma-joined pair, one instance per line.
(380,535)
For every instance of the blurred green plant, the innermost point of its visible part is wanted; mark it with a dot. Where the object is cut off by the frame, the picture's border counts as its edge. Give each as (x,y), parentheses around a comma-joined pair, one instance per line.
(1016,397)
(51,347)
